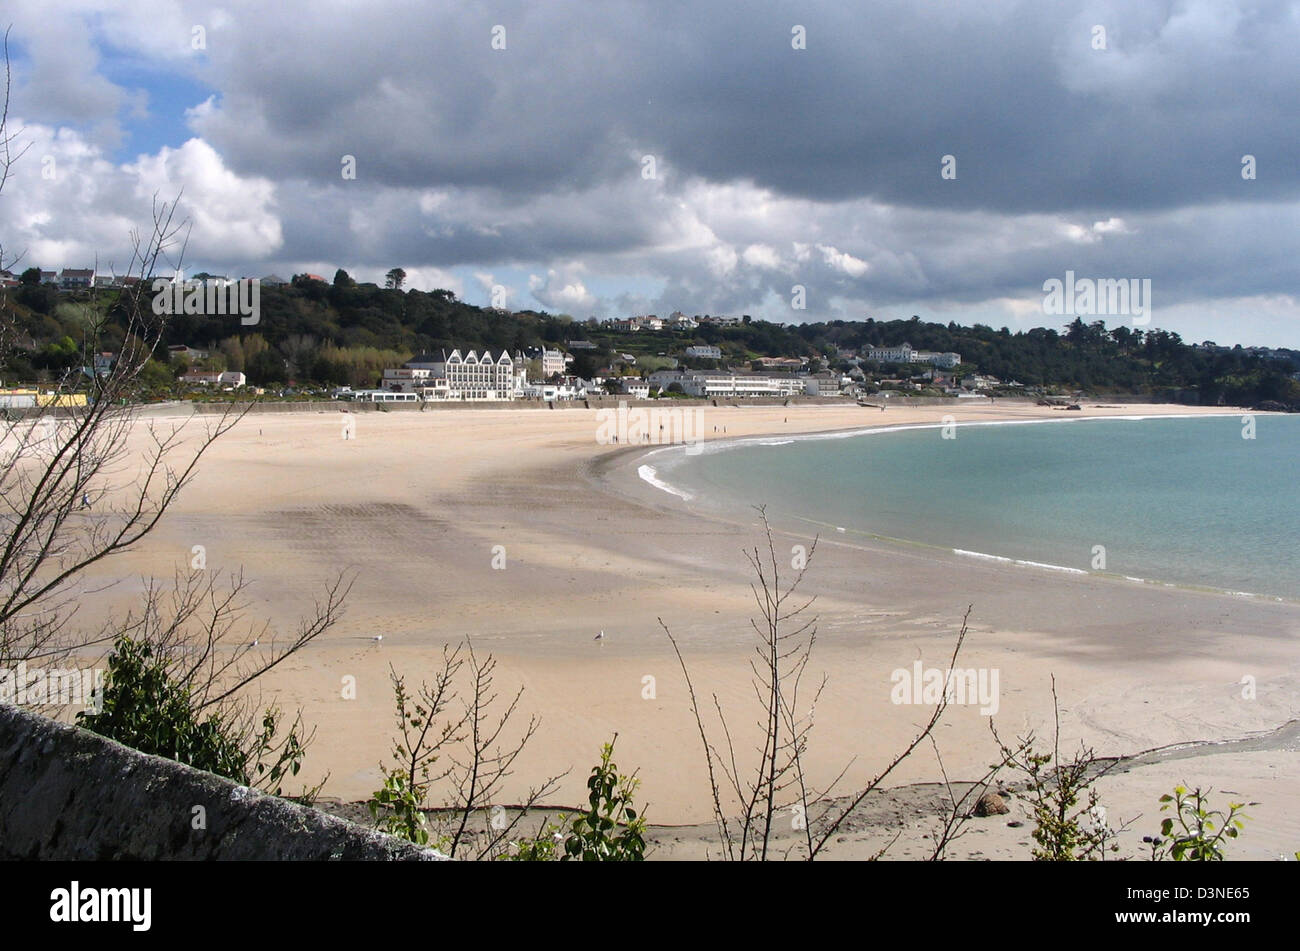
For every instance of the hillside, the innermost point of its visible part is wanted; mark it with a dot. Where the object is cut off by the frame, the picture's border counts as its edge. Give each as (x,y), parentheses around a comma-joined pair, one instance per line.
(346,333)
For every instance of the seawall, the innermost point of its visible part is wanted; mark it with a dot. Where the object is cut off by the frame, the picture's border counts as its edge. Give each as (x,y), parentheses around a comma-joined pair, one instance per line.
(69,794)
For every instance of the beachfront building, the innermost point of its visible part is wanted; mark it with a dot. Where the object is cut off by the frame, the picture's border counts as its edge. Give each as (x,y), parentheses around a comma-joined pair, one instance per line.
(470,376)
(662,379)
(27,398)
(825,384)
(549,392)
(406,379)
(379,396)
(741,385)
(17,398)
(635,387)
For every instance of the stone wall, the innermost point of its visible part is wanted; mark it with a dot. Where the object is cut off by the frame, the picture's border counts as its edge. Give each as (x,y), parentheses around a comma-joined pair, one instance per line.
(591,402)
(68,794)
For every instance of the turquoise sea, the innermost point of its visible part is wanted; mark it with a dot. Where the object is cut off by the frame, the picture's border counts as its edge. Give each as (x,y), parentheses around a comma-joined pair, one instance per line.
(1180,500)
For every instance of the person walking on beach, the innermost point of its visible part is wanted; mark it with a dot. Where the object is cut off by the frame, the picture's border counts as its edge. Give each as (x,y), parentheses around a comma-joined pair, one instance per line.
(85,500)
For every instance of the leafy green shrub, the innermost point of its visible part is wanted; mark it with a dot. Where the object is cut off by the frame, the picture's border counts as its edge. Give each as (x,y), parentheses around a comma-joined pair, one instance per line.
(395,807)
(1194,833)
(145,707)
(611,830)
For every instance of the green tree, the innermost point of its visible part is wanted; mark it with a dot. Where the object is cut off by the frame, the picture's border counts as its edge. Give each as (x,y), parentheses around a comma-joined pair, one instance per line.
(156,375)
(266,367)
(232,349)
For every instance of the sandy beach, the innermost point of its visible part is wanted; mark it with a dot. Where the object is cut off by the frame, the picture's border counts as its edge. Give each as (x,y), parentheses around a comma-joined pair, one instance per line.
(518,530)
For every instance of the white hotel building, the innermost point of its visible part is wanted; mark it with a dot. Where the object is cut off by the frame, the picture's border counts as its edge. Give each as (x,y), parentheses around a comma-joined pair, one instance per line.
(447,375)
(713,384)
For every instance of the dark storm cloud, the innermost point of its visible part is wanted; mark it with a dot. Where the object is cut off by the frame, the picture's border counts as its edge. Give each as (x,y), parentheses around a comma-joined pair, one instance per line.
(1037,119)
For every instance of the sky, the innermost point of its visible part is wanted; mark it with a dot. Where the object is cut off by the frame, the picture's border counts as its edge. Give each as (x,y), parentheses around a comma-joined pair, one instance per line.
(794,161)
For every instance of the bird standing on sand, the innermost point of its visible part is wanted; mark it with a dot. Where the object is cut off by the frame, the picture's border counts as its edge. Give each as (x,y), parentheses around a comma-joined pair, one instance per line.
(600,636)
(377,638)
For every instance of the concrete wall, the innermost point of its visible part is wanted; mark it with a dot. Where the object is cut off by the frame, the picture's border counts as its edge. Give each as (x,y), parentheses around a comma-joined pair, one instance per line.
(68,794)
(595,402)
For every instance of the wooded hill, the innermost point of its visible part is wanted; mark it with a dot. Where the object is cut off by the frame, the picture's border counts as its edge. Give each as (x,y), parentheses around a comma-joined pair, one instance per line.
(345,333)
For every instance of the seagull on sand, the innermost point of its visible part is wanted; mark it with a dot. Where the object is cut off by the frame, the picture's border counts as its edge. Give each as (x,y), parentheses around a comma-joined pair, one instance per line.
(600,636)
